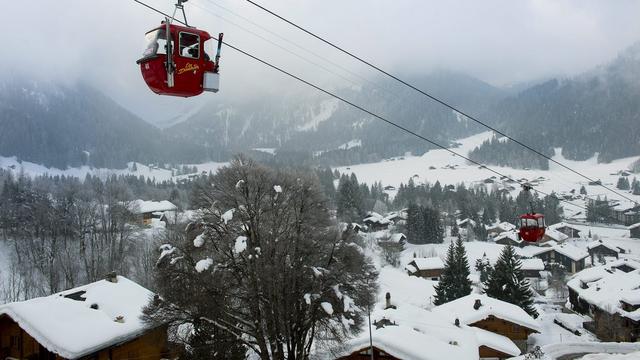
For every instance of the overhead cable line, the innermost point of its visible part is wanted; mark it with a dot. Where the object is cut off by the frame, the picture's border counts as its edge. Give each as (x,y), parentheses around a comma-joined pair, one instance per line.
(276,45)
(354,105)
(442,102)
(313,53)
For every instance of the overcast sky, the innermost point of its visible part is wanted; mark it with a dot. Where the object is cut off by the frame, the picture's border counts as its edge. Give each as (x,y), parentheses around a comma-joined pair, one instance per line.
(501,42)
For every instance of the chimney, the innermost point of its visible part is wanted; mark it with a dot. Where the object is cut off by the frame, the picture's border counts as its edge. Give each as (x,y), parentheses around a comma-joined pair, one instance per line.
(388,298)
(477,304)
(112,277)
(457,322)
(119,319)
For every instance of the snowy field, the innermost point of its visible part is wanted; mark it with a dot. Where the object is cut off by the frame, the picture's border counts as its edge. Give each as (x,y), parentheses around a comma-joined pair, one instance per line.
(451,169)
(149,172)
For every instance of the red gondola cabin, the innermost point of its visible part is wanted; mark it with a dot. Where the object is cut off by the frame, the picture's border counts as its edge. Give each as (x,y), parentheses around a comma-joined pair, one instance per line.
(181,66)
(532,227)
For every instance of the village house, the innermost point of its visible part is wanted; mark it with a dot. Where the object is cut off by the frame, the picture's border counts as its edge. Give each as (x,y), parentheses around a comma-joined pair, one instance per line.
(376,222)
(428,268)
(532,267)
(626,213)
(600,250)
(568,255)
(634,230)
(551,234)
(609,295)
(567,229)
(146,211)
(397,238)
(408,332)
(492,315)
(465,222)
(509,238)
(499,228)
(100,320)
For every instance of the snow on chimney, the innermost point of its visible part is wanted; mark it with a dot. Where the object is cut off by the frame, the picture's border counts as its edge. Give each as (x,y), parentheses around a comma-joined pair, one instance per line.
(477,304)
(119,319)
(388,298)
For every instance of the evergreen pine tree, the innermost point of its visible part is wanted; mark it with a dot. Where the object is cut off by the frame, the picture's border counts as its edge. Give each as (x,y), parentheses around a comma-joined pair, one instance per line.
(462,284)
(444,287)
(636,187)
(454,282)
(583,190)
(623,183)
(506,282)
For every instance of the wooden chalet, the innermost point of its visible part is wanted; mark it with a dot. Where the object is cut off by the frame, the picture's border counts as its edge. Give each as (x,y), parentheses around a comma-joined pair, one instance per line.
(146,211)
(609,295)
(376,222)
(567,229)
(599,250)
(509,238)
(428,268)
(493,316)
(497,229)
(97,321)
(570,256)
(634,230)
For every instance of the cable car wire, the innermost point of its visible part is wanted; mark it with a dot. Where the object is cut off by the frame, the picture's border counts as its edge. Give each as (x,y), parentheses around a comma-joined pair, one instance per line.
(434,98)
(361,77)
(354,105)
(277,45)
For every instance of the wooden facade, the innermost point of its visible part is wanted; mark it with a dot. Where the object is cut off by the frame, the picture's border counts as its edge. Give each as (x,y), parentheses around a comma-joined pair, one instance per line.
(430,274)
(486,352)
(517,333)
(634,231)
(365,354)
(602,251)
(606,326)
(572,266)
(16,343)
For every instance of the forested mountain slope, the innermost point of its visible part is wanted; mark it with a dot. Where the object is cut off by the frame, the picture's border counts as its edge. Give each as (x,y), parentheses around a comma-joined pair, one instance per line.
(69,125)
(597,112)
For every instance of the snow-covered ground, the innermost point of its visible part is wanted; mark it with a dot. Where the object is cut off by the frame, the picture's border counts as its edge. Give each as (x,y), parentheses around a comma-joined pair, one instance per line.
(150,172)
(440,165)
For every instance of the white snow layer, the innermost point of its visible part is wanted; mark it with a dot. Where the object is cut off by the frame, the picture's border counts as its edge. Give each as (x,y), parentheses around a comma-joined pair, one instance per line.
(198,241)
(240,245)
(204,265)
(327,307)
(71,328)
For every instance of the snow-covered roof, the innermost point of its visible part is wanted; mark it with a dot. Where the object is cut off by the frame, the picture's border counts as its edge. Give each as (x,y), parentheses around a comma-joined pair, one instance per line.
(143,207)
(374,217)
(465,221)
(563,225)
(463,309)
(605,286)
(555,235)
(431,263)
(571,251)
(503,226)
(406,343)
(398,237)
(496,341)
(424,335)
(511,235)
(72,328)
(595,244)
(532,264)
(637,225)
